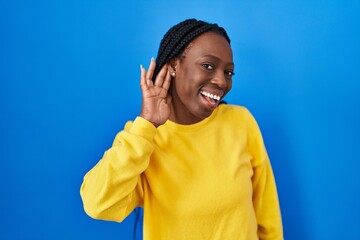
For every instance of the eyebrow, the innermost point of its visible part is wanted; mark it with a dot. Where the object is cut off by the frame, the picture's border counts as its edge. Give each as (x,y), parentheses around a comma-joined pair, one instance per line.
(217,58)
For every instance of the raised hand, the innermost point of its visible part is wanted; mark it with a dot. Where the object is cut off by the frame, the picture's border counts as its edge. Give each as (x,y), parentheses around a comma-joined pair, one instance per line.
(156,102)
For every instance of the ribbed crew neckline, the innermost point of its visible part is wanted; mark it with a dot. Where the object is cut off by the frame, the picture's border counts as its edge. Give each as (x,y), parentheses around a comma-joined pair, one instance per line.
(191,127)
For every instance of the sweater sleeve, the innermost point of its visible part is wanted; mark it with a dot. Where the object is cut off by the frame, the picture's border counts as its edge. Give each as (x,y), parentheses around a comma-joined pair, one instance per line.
(265,197)
(114,186)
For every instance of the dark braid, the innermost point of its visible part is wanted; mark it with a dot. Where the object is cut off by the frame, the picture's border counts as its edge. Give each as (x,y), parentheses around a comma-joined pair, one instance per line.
(178,38)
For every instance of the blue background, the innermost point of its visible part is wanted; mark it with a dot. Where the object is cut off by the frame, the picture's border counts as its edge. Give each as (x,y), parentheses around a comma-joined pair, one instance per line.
(69,80)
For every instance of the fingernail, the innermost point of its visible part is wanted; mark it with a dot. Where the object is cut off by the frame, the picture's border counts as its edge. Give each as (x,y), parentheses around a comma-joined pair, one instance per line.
(152,59)
(141,67)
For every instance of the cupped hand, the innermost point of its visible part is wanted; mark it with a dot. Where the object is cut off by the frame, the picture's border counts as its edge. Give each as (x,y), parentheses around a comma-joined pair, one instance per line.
(156,102)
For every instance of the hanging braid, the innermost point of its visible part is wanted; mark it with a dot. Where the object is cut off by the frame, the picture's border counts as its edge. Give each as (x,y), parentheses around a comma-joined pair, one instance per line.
(178,38)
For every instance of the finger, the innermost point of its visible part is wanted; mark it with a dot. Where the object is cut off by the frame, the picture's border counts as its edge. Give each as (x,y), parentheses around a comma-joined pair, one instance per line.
(142,76)
(167,81)
(150,72)
(161,76)
(143,82)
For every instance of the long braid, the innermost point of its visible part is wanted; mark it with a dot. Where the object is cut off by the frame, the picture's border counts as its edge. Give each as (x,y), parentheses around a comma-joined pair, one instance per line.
(169,35)
(178,38)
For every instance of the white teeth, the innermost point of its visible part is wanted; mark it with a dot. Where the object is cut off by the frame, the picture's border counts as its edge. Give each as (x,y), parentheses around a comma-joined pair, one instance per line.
(209,95)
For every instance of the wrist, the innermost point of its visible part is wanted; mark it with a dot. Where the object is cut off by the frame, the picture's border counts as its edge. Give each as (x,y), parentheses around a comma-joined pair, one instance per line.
(143,127)
(150,121)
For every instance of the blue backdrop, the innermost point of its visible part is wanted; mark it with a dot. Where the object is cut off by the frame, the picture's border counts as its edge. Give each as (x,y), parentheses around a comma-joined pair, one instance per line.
(69,80)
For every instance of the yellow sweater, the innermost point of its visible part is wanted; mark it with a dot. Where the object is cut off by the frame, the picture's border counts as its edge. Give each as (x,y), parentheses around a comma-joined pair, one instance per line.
(209,180)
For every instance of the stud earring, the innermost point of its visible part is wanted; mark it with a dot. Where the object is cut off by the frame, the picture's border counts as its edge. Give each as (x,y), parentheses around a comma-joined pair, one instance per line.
(173,74)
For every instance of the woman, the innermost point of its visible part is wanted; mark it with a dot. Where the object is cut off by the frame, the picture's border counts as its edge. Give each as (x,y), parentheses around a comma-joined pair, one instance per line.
(198,168)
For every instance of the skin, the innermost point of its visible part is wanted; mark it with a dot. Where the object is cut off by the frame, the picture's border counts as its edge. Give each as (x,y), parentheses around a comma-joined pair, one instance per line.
(206,67)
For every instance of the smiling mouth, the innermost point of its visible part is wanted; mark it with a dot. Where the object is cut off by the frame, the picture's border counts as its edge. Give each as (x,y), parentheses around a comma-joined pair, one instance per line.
(213,99)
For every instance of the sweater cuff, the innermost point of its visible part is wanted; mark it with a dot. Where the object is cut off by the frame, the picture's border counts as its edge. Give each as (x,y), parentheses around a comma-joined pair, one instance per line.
(144,128)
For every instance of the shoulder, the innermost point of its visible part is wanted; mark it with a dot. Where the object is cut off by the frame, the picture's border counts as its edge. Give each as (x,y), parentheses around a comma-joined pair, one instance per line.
(238,116)
(235,112)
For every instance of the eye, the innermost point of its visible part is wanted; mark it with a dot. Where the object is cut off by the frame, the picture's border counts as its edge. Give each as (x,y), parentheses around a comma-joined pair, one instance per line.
(230,73)
(208,66)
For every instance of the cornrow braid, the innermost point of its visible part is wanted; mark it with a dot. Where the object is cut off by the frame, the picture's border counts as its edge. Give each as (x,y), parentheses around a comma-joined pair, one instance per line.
(170,34)
(178,38)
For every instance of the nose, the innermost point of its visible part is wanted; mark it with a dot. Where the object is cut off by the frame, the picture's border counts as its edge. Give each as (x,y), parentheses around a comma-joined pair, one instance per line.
(220,80)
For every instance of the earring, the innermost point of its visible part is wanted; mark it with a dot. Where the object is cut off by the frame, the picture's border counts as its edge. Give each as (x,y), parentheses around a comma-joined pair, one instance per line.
(173,74)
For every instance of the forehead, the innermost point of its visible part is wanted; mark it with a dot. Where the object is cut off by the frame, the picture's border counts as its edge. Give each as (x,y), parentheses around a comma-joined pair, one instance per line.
(210,43)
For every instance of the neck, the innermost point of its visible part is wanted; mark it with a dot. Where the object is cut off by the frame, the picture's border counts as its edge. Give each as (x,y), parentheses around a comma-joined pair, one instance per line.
(181,117)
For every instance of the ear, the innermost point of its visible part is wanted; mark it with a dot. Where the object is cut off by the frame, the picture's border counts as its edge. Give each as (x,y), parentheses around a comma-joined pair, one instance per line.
(173,63)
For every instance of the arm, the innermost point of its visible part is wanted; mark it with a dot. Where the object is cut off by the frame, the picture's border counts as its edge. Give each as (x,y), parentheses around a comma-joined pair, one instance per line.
(114,187)
(265,198)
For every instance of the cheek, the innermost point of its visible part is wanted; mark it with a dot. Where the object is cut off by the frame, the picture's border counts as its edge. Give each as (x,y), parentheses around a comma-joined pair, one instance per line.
(182,87)
(189,80)
(190,75)
(229,85)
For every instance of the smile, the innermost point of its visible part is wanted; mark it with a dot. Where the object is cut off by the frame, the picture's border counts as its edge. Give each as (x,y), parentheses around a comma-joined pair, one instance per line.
(210,95)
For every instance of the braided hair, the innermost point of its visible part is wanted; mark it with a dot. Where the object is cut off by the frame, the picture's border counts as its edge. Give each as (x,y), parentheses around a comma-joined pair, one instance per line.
(178,38)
